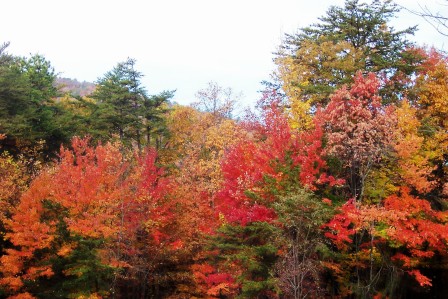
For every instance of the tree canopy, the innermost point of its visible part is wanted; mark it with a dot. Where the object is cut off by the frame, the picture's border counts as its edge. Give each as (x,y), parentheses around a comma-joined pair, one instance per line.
(321,58)
(335,187)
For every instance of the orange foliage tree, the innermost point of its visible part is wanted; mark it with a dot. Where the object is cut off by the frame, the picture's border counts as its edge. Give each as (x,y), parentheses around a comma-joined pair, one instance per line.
(94,219)
(404,233)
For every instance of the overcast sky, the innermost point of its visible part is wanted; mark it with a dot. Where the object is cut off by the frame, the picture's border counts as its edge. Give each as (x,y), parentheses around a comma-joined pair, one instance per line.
(178,44)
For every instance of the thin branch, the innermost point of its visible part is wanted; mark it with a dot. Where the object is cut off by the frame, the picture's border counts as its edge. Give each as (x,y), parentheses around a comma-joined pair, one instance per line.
(438,21)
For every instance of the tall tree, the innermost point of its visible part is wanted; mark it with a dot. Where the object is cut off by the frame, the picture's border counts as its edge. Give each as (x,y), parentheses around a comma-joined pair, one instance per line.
(120,98)
(125,110)
(155,109)
(14,100)
(321,58)
(41,76)
(28,113)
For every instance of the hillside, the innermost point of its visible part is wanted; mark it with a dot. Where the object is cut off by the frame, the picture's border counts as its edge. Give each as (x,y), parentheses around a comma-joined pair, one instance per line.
(74,87)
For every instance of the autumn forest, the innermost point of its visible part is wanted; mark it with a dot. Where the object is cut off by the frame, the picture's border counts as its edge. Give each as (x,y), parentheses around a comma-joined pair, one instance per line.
(333,186)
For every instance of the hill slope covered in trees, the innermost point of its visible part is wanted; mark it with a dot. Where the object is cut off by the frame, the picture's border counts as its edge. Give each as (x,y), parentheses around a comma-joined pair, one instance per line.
(74,87)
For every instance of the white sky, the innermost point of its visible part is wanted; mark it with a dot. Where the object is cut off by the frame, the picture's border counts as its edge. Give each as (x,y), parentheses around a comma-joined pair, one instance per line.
(178,44)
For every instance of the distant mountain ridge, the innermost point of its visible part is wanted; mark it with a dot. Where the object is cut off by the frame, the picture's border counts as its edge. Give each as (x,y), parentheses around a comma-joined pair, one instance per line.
(74,87)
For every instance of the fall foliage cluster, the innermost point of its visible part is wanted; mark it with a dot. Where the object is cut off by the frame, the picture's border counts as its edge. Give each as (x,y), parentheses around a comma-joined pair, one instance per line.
(335,187)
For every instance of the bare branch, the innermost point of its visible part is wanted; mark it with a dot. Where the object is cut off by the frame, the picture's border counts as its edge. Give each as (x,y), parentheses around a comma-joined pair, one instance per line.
(218,101)
(437,20)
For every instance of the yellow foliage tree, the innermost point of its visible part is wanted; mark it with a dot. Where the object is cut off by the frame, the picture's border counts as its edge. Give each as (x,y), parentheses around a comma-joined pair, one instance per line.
(432,100)
(413,157)
(312,74)
(197,144)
